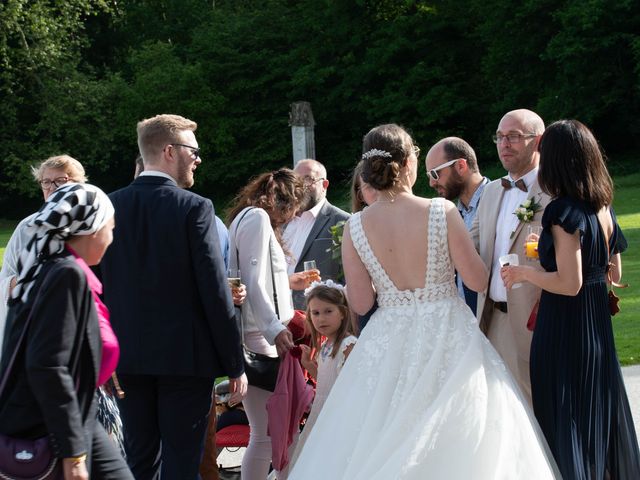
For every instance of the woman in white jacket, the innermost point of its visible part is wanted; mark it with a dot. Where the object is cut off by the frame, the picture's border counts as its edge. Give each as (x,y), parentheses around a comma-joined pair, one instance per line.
(257,216)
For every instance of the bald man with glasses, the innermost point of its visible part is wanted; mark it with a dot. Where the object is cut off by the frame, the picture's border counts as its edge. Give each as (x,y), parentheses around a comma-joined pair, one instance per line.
(452,169)
(308,235)
(497,231)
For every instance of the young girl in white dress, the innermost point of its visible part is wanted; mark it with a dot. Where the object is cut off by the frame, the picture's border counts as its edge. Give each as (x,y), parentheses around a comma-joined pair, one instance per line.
(328,316)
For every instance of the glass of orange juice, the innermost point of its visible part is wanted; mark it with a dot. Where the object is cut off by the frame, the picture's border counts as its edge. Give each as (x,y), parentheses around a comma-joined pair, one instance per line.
(531,244)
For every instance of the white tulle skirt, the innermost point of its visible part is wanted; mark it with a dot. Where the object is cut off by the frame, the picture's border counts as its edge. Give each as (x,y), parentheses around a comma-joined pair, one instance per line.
(424,395)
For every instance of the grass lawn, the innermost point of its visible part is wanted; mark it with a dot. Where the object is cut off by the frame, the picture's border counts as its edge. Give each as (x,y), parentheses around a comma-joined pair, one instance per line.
(626,324)
(6,227)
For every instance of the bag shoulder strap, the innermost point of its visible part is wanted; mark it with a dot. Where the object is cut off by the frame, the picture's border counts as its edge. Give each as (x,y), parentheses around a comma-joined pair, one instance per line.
(273,280)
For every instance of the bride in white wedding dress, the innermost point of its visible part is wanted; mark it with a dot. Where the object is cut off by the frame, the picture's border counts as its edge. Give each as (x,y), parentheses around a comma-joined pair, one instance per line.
(423,394)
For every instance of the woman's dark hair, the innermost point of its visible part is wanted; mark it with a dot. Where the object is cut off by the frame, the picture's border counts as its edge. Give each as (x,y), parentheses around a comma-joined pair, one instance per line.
(357,201)
(385,150)
(335,297)
(279,192)
(572,164)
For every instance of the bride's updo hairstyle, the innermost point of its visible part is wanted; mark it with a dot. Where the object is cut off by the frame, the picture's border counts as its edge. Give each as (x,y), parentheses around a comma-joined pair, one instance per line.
(385,150)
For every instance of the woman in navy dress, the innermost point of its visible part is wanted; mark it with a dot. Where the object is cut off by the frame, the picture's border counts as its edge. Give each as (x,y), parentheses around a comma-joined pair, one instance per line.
(578,392)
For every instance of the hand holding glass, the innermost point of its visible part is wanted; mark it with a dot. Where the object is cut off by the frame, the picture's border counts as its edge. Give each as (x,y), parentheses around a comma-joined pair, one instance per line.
(510,259)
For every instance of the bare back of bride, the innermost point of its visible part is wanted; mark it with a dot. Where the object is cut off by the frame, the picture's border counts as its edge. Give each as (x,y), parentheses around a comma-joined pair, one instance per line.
(423,393)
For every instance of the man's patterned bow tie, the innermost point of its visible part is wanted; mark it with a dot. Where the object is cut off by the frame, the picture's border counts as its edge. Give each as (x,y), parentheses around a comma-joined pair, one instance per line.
(508,184)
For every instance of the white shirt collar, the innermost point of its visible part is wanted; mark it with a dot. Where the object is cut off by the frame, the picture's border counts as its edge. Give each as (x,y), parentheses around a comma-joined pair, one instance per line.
(528,178)
(157,173)
(315,211)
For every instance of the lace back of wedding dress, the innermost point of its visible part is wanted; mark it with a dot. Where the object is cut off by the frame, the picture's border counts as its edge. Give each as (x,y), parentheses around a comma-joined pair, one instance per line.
(439,281)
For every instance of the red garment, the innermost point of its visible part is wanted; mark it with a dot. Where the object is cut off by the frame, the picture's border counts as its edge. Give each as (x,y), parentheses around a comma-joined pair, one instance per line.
(298,328)
(301,336)
(285,407)
(110,345)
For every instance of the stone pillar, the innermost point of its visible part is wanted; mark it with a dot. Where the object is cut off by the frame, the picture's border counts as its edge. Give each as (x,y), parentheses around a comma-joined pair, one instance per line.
(302,137)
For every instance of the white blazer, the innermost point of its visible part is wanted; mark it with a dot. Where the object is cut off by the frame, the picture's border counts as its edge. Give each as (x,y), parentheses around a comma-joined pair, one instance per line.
(251,235)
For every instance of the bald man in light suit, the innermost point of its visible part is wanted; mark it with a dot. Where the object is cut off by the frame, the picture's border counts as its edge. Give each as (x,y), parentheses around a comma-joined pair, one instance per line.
(496,231)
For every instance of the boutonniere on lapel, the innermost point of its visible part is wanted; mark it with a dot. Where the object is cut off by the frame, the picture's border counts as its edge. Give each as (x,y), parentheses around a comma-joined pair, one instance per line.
(337,231)
(526,211)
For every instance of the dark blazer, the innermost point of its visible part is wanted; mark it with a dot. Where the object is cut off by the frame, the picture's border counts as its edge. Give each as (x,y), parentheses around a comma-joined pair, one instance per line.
(62,350)
(318,248)
(165,284)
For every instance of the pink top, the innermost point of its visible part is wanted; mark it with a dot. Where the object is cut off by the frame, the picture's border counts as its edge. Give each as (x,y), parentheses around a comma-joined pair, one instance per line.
(110,346)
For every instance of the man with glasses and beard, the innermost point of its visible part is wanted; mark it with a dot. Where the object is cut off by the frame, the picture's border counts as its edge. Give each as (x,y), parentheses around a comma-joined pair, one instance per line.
(453,172)
(308,235)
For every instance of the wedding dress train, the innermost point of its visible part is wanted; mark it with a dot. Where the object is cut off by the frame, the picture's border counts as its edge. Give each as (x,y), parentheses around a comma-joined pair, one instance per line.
(423,393)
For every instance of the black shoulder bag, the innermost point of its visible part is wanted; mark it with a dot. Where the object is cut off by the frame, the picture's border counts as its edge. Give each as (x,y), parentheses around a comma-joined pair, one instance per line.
(23,458)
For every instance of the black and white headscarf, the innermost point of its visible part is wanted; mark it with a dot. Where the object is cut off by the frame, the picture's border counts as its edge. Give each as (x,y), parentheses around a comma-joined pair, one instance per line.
(73,209)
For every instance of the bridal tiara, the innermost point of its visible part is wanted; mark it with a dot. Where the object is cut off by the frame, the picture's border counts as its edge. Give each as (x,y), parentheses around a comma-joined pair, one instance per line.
(374,152)
(329,283)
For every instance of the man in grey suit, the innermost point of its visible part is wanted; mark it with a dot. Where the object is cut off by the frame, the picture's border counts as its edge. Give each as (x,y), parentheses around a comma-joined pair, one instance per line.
(496,231)
(308,235)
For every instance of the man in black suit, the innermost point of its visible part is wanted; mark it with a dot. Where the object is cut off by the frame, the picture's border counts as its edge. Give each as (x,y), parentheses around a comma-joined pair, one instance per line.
(308,236)
(165,285)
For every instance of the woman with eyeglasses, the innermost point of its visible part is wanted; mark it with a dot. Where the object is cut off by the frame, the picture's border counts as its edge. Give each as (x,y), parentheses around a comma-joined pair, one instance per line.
(50,174)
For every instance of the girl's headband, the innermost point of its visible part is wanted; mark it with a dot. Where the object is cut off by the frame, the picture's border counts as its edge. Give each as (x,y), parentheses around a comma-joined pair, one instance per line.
(329,283)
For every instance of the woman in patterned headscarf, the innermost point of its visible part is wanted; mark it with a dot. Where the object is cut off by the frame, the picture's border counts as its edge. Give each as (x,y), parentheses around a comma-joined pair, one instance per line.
(52,382)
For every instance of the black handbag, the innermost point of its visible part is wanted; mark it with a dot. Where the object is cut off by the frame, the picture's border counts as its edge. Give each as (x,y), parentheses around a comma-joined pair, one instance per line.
(261,370)
(24,459)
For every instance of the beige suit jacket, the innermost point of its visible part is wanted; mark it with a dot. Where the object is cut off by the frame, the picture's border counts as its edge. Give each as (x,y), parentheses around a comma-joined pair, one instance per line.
(520,301)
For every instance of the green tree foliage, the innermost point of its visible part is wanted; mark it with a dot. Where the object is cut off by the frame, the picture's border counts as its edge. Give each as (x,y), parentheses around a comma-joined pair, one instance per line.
(77,75)
(39,45)
(593,60)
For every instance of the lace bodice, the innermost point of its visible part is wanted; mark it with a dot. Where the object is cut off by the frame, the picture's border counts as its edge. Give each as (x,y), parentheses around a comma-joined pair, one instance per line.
(439,282)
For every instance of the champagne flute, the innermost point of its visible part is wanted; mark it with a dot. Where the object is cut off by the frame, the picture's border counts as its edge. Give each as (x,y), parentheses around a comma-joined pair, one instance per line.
(233,277)
(310,269)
